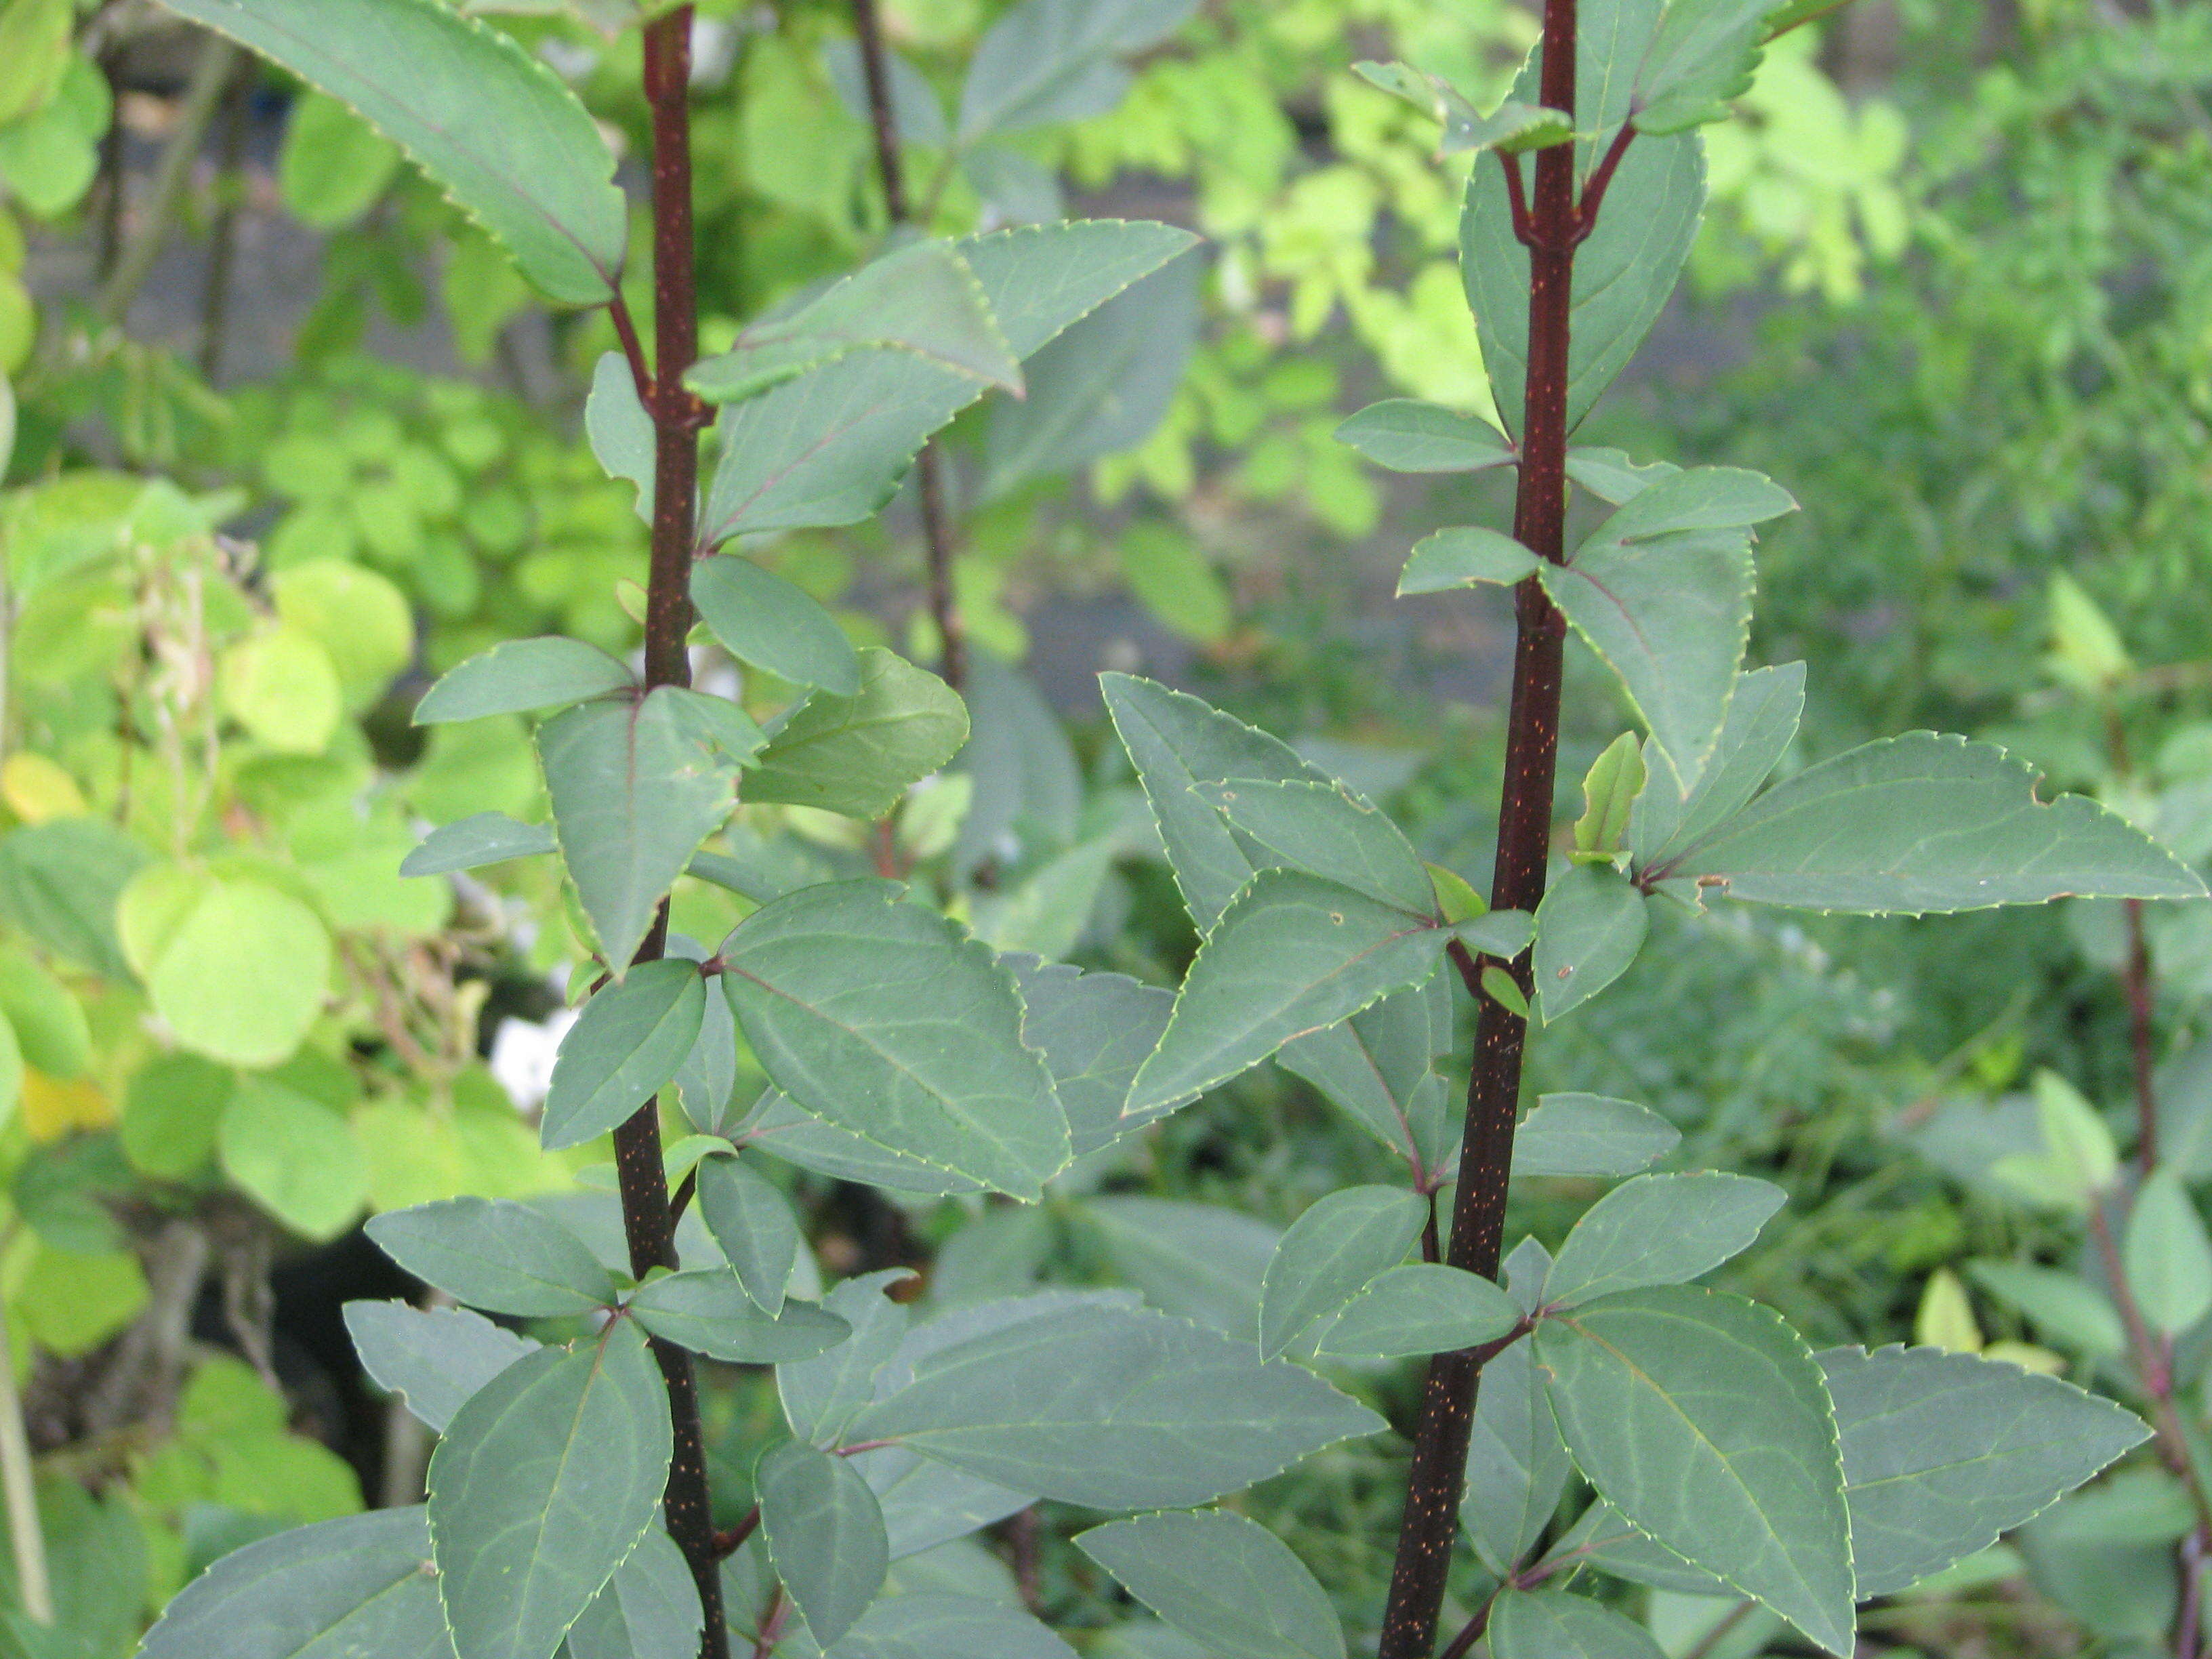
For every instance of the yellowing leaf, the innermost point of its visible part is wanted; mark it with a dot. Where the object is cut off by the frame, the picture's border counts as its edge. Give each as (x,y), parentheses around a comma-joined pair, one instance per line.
(36,788)
(1946,1319)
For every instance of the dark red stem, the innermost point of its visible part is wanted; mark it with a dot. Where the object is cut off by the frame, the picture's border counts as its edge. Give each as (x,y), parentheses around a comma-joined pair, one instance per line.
(729,1542)
(929,465)
(640,372)
(2138,980)
(1524,834)
(1594,191)
(648,1222)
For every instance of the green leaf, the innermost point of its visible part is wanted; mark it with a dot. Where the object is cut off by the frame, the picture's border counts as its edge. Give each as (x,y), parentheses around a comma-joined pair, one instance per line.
(59,883)
(1944,1452)
(542,1486)
(2062,1306)
(1100,388)
(1610,787)
(1549,1625)
(783,1129)
(1422,1307)
(281,686)
(825,1534)
(333,166)
(357,1585)
(1377,1067)
(1703,54)
(821,1396)
(294,1156)
(1325,830)
(1622,273)
(237,967)
(1660,1229)
(1662,593)
(1094,1031)
(620,432)
(622,1050)
(926,1627)
(1225,1582)
(763,620)
(1573,1134)
(518,677)
(636,787)
(1175,742)
(707,1310)
(1610,476)
(1113,1407)
(479,114)
(1292,955)
(649,1609)
(919,298)
(858,754)
(1512,128)
(496,1253)
(471,842)
(1762,718)
(751,1220)
(830,447)
(1462,556)
(1925,824)
(1058,60)
(1502,988)
(1589,930)
(1703,1419)
(883,1017)
(2077,1162)
(2168,1258)
(1328,1255)
(435,1358)
(1517,1465)
(1406,435)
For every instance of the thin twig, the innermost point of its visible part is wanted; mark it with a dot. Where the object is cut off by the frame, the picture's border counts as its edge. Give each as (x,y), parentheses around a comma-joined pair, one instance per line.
(731,1540)
(25,1531)
(204,92)
(633,349)
(222,233)
(1594,191)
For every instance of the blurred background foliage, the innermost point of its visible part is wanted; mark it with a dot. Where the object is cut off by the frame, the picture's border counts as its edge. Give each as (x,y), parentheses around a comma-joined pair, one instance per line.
(290,437)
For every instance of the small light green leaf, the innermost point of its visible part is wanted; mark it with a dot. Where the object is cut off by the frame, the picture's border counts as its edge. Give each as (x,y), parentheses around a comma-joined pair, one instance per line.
(435,1358)
(473,841)
(237,967)
(1573,1134)
(496,1253)
(919,298)
(825,1534)
(885,1018)
(760,619)
(1703,53)
(708,1311)
(1292,955)
(1226,1583)
(1699,498)
(1944,1452)
(360,1584)
(1659,1230)
(1176,741)
(333,165)
(1762,717)
(1517,1465)
(751,1220)
(294,1156)
(1422,1308)
(1549,1625)
(1406,435)
(1703,1419)
(858,754)
(479,114)
(1326,831)
(1512,128)
(521,676)
(622,1050)
(619,430)
(1328,1255)
(2169,1260)
(649,1609)
(1589,930)
(1456,898)
(1925,824)
(542,1486)
(1461,557)
(1502,988)
(636,787)
(1610,787)
(1113,1407)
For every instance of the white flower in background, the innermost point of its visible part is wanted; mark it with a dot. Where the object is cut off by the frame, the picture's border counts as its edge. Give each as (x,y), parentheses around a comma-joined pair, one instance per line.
(522,1053)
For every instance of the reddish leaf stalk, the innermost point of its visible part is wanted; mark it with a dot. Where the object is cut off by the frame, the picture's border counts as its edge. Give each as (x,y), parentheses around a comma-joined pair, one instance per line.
(649,1221)
(929,465)
(1524,833)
